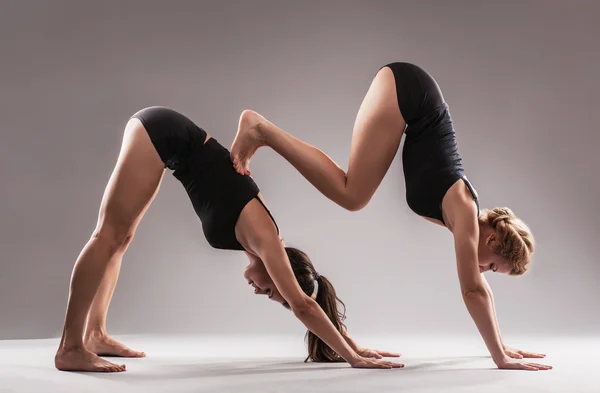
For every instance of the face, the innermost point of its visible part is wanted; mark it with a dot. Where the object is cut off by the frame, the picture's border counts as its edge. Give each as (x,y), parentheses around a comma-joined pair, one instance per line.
(257,276)
(488,261)
(494,263)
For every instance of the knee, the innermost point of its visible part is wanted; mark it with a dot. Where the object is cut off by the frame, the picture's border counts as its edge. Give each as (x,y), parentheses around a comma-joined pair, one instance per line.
(126,242)
(355,203)
(114,238)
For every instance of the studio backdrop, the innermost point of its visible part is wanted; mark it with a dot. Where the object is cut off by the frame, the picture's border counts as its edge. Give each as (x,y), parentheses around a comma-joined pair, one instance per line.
(521,81)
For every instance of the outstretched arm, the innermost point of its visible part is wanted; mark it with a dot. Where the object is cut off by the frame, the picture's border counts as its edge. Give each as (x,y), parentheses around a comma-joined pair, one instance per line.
(475,291)
(257,233)
(306,309)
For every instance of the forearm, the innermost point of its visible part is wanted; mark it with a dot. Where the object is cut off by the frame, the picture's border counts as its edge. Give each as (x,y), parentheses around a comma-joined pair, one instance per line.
(350,341)
(479,305)
(315,320)
(496,324)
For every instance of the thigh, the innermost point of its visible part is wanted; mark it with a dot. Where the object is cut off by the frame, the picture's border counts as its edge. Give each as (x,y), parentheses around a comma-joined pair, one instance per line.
(132,185)
(376,136)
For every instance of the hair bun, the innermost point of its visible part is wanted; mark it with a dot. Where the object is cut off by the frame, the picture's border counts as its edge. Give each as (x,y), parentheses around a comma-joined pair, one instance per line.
(504,218)
(501,214)
(504,211)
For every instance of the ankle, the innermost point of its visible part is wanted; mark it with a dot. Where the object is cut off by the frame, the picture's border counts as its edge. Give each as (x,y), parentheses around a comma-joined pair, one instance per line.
(262,127)
(95,333)
(71,347)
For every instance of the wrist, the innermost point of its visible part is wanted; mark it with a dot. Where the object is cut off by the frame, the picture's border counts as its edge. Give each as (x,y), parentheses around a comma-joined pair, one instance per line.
(349,354)
(353,359)
(498,354)
(499,358)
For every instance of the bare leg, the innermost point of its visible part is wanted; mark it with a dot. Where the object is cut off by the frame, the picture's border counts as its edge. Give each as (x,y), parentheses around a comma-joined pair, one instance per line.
(130,189)
(96,338)
(377,133)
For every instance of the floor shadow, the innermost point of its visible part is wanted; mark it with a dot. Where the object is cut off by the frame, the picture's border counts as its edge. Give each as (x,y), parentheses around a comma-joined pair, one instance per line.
(251,367)
(210,370)
(430,375)
(448,362)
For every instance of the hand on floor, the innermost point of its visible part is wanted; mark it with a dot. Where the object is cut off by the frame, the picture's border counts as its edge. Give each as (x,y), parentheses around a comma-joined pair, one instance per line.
(514,364)
(518,354)
(363,362)
(376,354)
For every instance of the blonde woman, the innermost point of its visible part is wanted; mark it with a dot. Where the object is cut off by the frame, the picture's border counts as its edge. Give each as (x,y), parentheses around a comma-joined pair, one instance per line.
(404,99)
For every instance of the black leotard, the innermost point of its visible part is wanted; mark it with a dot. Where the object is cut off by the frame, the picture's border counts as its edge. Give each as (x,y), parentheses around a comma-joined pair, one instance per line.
(430,157)
(217,192)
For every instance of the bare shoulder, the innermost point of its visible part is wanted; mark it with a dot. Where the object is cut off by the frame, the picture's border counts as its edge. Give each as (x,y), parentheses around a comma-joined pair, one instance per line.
(459,206)
(260,196)
(255,227)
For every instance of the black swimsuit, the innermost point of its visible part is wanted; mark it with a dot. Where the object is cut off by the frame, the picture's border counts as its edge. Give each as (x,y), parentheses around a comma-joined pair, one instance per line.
(430,157)
(217,192)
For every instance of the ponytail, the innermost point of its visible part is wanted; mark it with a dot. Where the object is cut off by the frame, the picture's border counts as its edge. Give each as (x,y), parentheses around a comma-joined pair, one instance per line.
(318,350)
(326,298)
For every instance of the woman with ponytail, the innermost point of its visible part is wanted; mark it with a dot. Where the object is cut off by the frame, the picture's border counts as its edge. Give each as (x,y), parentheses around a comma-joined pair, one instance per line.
(233,217)
(404,99)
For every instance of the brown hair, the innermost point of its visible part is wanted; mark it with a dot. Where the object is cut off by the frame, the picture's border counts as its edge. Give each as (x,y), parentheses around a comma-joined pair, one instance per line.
(305,273)
(512,241)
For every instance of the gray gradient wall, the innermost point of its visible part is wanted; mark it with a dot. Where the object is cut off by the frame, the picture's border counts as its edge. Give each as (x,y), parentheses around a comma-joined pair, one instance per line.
(521,78)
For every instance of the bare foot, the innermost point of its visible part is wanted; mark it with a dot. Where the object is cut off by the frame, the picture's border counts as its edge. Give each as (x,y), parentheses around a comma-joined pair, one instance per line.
(103,345)
(248,139)
(80,359)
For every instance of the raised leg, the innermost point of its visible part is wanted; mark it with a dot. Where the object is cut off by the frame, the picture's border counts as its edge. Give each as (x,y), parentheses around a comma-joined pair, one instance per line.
(132,185)
(377,133)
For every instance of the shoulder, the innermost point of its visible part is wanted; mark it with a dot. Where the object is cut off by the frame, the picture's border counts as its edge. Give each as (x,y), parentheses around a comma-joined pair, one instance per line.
(254,227)
(460,206)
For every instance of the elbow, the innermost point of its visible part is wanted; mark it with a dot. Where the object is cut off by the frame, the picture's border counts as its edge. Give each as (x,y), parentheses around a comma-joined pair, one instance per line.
(306,306)
(475,292)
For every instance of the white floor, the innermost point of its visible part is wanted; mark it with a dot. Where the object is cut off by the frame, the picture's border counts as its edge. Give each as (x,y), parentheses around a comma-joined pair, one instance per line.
(259,364)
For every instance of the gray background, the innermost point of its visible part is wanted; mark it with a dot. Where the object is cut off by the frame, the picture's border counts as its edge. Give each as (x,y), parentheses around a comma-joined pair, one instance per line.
(521,80)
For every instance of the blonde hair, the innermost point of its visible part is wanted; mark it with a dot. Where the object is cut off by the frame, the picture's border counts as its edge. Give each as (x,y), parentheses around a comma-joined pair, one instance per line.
(513,240)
